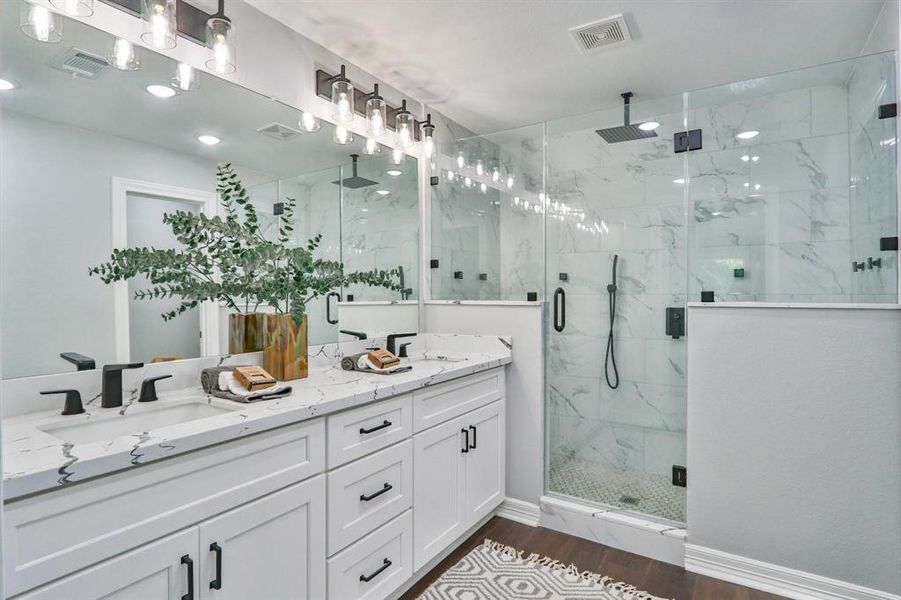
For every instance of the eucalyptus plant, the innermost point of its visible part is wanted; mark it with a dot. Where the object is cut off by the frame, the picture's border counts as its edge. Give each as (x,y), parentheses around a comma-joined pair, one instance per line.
(228,259)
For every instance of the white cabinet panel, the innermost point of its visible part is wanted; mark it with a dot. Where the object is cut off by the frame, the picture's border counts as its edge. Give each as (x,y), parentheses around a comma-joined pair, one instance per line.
(153,571)
(375,566)
(485,461)
(368,493)
(360,431)
(273,547)
(438,403)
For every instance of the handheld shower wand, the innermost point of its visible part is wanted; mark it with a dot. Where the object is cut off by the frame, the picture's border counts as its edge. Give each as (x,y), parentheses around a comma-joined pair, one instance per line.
(610,356)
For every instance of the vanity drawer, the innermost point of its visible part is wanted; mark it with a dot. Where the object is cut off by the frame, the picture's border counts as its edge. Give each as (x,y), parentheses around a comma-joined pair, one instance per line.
(368,493)
(361,431)
(53,534)
(439,403)
(391,545)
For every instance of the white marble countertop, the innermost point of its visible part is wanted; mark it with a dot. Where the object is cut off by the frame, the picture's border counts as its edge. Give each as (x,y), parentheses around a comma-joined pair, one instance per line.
(36,461)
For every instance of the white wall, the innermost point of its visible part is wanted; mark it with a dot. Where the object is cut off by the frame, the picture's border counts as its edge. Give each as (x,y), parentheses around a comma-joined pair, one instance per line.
(525,381)
(794,452)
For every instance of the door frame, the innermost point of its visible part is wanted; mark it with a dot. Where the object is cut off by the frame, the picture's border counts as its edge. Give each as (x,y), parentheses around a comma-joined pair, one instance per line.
(120,188)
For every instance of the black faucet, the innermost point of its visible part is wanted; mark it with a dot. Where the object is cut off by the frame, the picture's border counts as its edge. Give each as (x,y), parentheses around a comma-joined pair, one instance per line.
(148,388)
(81,362)
(357,334)
(111,392)
(391,345)
(73,404)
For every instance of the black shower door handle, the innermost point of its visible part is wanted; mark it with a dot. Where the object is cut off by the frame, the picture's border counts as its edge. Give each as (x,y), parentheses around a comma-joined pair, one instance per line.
(559,309)
(328,307)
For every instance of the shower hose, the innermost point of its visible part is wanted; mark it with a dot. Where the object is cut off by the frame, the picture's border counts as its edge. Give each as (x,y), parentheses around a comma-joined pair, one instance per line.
(610,356)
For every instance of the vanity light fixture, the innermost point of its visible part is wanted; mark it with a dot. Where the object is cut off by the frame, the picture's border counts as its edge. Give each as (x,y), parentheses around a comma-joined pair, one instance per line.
(160,91)
(495,174)
(342,135)
(394,172)
(342,98)
(747,135)
(122,55)
(6,85)
(159,26)
(208,140)
(184,80)
(461,160)
(75,8)
(403,125)
(308,122)
(427,134)
(398,156)
(371,147)
(480,167)
(40,23)
(648,125)
(220,42)
(376,113)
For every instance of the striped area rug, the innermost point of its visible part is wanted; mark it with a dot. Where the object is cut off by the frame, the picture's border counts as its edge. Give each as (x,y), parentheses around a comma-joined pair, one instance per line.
(494,571)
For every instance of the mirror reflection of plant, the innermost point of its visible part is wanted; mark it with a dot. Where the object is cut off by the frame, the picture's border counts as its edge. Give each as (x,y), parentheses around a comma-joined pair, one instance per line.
(228,260)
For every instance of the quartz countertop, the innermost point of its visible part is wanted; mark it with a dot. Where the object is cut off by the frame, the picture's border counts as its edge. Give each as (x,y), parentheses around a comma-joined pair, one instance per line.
(36,461)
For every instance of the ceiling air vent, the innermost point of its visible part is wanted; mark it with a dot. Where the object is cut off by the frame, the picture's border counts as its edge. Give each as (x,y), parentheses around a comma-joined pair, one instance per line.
(592,36)
(278,131)
(80,63)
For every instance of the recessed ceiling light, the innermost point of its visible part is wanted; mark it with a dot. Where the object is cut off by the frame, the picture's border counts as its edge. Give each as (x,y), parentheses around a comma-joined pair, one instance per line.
(747,135)
(382,192)
(679,181)
(755,158)
(6,85)
(649,126)
(394,172)
(160,91)
(209,140)
(746,158)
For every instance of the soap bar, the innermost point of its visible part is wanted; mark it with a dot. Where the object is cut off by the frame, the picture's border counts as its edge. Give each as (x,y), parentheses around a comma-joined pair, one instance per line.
(254,378)
(383,359)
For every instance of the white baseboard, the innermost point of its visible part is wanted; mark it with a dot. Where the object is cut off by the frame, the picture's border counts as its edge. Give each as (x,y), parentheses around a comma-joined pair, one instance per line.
(519,511)
(775,579)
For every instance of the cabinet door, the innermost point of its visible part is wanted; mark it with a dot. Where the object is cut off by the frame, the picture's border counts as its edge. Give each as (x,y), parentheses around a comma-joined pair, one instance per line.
(154,571)
(438,513)
(485,462)
(273,547)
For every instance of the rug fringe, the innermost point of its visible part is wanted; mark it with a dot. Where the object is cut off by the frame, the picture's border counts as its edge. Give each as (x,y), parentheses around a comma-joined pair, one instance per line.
(630,591)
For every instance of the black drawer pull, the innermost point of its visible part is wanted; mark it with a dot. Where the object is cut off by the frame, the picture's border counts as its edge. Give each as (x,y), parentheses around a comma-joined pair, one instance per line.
(216,584)
(365,498)
(186,560)
(376,428)
(466,441)
(367,578)
(473,429)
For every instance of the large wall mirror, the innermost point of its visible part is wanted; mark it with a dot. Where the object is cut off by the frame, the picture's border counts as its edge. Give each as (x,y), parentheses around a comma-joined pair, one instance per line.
(92,159)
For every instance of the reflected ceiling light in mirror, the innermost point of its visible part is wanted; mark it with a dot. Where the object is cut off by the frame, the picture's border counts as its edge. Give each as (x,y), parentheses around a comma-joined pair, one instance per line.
(428,142)
(185,78)
(495,175)
(461,160)
(397,156)
(480,167)
(394,172)
(208,140)
(6,85)
(75,8)
(403,125)
(122,55)
(40,23)
(159,27)
(376,113)
(371,147)
(748,135)
(382,192)
(342,98)
(342,135)
(649,125)
(451,175)
(510,182)
(678,181)
(308,122)
(220,43)
(160,91)
(483,187)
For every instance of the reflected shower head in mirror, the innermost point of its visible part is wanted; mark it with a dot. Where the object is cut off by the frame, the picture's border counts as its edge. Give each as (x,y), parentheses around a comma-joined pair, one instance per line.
(628,132)
(355,181)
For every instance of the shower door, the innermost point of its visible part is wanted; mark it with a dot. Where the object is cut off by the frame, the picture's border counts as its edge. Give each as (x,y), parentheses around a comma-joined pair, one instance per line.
(614,435)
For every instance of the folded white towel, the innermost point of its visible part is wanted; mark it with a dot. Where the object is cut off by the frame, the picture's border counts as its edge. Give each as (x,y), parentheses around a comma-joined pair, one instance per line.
(228,383)
(367,365)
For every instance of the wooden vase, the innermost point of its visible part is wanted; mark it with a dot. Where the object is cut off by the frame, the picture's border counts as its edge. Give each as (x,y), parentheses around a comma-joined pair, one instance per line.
(246,332)
(285,352)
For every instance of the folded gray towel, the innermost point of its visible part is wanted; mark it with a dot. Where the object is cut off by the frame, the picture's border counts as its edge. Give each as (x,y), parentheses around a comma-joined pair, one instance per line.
(253,397)
(209,377)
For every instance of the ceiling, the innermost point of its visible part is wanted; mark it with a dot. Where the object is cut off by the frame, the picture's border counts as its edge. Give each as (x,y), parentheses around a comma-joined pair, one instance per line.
(498,64)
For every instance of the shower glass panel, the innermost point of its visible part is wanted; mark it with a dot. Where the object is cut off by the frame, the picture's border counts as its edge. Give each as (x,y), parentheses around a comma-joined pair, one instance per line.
(614,433)
(487,215)
(795,186)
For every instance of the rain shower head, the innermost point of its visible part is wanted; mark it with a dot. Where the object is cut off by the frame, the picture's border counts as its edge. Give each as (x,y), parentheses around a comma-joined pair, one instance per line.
(355,181)
(625,132)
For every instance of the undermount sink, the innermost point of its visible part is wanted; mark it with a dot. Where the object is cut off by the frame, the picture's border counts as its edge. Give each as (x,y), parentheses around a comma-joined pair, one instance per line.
(136,420)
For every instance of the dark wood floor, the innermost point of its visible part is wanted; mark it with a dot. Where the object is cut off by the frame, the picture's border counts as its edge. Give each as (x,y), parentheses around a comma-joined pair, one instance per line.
(654,577)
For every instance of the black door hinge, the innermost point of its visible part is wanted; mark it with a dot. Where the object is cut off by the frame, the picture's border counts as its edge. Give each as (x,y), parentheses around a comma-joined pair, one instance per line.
(888,111)
(685,141)
(680,476)
(888,243)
